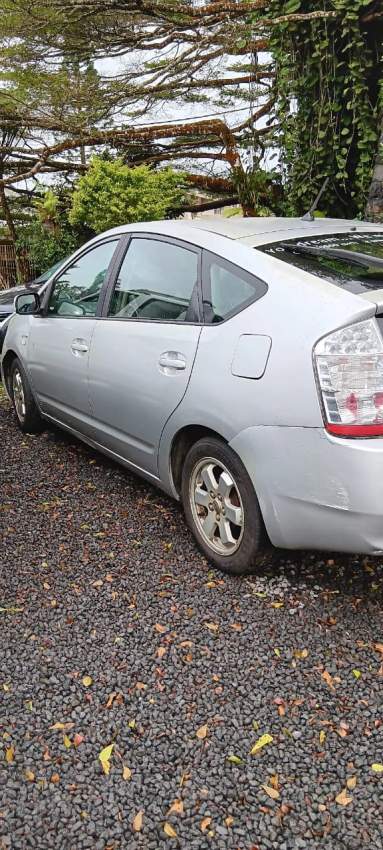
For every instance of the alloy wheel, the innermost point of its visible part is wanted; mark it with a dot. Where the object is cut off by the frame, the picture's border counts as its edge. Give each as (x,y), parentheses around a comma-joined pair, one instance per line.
(18,395)
(216,506)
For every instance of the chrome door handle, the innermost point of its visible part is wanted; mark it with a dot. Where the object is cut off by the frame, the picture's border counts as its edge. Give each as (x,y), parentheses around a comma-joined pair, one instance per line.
(79,346)
(172,360)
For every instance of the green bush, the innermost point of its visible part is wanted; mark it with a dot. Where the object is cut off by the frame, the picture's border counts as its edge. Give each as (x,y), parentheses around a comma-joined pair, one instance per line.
(111,194)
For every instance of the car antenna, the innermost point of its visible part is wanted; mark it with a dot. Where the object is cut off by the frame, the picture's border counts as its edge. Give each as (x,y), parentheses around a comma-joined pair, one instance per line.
(309,215)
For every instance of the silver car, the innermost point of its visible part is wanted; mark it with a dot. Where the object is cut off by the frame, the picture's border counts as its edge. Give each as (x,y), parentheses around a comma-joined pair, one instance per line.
(237,364)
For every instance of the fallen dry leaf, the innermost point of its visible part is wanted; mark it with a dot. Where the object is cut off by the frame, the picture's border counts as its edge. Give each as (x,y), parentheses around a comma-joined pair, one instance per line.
(377,767)
(126,772)
(213,627)
(322,736)
(271,792)
(161,651)
(160,629)
(343,799)
(29,775)
(379,647)
(10,755)
(67,742)
(328,679)
(234,759)
(55,778)
(176,808)
(87,681)
(202,732)
(78,739)
(61,726)
(262,742)
(205,823)
(104,757)
(351,782)
(229,821)
(356,673)
(137,821)
(169,830)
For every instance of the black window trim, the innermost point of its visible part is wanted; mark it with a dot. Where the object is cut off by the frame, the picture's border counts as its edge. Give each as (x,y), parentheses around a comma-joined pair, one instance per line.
(118,238)
(233,268)
(157,237)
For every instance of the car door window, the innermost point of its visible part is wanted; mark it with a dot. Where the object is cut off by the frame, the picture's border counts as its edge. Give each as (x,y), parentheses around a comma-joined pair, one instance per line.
(76,291)
(157,281)
(227,289)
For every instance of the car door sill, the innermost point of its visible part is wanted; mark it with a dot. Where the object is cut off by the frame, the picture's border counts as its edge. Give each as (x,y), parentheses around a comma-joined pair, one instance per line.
(100,447)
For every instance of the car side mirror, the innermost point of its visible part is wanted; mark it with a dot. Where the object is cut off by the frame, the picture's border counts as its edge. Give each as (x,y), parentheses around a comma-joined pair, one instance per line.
(27,302)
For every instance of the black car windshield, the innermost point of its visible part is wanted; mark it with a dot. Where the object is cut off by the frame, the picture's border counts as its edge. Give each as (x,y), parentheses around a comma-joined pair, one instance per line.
(330,257)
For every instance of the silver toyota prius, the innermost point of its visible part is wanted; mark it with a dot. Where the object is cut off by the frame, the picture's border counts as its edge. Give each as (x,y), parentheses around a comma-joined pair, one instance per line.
(237,364)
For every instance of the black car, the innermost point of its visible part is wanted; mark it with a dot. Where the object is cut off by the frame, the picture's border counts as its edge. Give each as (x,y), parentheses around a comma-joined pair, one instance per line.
(7,297)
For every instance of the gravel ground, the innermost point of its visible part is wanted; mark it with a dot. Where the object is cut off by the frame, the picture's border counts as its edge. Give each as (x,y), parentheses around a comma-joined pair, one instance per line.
(115,631)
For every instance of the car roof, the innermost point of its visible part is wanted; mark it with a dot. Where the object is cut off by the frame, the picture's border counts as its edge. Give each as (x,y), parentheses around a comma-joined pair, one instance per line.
(250,231)
(260,231)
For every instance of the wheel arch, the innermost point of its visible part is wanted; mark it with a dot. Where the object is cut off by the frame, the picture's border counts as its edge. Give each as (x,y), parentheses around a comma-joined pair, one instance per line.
(6,364)
(182,441)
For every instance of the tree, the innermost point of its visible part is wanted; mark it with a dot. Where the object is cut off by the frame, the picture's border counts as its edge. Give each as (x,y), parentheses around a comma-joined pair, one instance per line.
(111,194)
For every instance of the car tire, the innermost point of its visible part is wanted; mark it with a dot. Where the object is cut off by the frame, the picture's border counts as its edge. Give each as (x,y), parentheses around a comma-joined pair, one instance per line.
(221,506)
(26,410)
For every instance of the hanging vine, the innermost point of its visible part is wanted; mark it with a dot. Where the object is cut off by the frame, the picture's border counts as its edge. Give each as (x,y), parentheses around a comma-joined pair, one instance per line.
(329,101)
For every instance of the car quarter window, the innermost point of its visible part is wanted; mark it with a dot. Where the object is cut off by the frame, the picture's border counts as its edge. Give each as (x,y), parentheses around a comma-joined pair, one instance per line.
(76,291)
(227,288)
(157,281)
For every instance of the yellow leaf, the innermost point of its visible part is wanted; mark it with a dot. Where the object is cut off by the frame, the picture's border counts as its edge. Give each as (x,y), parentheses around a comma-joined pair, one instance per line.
(301,653)
(67,742)
(322,736)
(343,799)
(104,757)
(169,831)
(62,726)
(205,823)
(87,681)
(277,652)
(29,775)
(229,821)
(351,783)
(137,822)
(262,742)
(126,772)
(271,792)
(10,754)
(202,732)
(356,673)
(176,808)
(377,767)
(277,604)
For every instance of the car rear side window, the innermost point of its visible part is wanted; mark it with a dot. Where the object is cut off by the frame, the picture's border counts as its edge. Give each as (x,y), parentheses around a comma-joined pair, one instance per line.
(156,282)
(227,289)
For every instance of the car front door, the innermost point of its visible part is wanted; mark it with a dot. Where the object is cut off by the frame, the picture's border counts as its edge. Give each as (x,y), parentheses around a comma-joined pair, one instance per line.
(59,339)
(143,349)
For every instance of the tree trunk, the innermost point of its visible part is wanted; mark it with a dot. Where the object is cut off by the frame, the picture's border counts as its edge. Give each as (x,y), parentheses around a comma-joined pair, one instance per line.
(374,208)
(21,267)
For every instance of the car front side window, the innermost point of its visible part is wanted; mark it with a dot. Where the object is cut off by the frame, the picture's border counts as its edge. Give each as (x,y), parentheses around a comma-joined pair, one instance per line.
(76,291)
(157,281)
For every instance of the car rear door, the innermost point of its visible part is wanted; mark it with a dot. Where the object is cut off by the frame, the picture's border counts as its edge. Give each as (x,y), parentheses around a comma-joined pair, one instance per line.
(143,348)
(60,338)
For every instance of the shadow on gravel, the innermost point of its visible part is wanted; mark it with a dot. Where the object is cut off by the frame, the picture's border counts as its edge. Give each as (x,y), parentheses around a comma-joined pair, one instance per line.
(352,575)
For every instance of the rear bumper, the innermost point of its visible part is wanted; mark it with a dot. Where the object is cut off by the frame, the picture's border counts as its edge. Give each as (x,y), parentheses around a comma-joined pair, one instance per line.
(316,491)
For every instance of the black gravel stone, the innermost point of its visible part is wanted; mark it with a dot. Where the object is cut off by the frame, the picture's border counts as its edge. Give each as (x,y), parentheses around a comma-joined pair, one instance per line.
(100,578)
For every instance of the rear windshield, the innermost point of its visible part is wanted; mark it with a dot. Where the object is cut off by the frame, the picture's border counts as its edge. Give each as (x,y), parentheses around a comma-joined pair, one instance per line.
(342,272)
